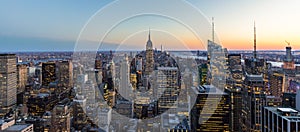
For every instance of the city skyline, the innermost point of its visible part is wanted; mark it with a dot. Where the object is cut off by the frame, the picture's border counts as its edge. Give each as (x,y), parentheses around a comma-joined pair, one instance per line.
(54,26)
(150,65)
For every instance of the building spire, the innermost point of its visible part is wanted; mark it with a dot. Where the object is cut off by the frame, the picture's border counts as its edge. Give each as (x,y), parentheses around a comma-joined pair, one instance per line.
(149,38)
(254,52)
(213,30)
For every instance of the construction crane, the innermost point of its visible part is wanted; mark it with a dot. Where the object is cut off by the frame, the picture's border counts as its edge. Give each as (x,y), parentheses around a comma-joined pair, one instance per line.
(288,43)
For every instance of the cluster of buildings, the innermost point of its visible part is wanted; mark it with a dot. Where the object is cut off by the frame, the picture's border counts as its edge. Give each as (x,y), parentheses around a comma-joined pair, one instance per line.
(261,97)
(149,90)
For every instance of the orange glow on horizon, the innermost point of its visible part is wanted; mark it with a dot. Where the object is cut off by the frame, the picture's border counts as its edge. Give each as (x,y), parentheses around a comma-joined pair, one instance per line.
(245,45)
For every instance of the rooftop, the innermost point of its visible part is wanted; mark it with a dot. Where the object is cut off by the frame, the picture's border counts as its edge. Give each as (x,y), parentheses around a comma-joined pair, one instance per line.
(251,77)
(167,68)
(208,89)
(18,127)
(286,113)
(42,95)
(7,54)
(287,110)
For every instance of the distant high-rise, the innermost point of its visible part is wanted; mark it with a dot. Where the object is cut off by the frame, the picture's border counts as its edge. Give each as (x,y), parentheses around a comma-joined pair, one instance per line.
(203,117)
(289,60)
(22,77)
(8,82)
(65,69)
(254,65)
(149,57)
(48,73)
(277,84)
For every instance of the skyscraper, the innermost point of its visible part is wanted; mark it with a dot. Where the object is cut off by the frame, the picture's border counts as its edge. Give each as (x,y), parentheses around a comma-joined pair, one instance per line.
(124,87)
(277,84)
(22,77)
(216,62)
(235,108)
(202,116)
(233,88)
(253,101)
(254,65)
(48,73)
(168,87)
(253,92)
(289,60)
(8,82)
(79,112)
(149,56)
(65,76)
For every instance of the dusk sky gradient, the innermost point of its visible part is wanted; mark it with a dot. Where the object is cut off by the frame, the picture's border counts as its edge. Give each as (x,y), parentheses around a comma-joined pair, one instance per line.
(35,25)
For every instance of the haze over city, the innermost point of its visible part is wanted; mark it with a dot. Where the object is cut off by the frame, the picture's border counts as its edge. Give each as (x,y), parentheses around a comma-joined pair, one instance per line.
(150,65)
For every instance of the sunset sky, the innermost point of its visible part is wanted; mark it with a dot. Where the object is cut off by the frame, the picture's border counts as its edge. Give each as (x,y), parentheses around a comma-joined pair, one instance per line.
(35,25)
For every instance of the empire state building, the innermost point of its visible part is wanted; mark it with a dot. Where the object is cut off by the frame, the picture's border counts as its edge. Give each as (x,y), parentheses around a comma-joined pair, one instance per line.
(149,57)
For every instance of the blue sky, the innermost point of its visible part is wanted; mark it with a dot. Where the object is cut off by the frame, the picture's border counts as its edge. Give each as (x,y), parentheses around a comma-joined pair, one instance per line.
(43,25)
(35,25)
